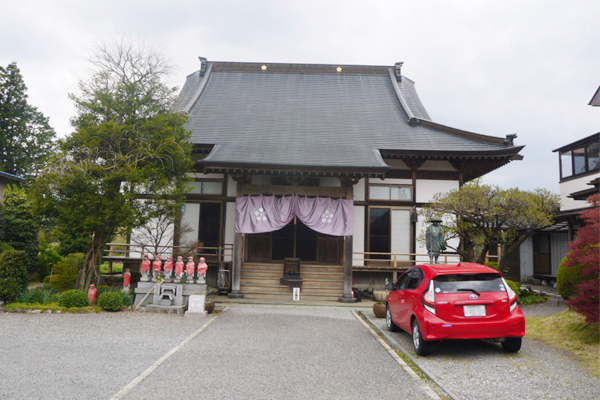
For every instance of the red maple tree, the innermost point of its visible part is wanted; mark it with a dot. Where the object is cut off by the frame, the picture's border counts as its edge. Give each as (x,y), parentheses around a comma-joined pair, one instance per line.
(585,250)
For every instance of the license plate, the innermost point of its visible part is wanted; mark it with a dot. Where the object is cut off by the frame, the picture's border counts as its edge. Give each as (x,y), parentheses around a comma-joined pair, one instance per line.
(474,311)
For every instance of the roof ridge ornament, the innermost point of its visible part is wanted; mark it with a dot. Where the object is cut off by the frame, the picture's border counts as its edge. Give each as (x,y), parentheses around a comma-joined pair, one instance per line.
(203,63)
(510,139)
(398,70)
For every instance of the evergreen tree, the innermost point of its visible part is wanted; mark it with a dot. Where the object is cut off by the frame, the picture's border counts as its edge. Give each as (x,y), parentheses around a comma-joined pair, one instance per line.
(25,135)
(18,225)
(128,152)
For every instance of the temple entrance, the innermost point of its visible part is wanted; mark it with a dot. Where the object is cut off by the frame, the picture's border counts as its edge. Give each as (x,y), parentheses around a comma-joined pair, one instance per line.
(295,240)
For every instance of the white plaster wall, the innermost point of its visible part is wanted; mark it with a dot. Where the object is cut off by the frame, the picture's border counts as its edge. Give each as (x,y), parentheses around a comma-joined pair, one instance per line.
(191,218)
(231,187)
(574,185)
(426,188)
(358,240)
(420,248)
(359,190)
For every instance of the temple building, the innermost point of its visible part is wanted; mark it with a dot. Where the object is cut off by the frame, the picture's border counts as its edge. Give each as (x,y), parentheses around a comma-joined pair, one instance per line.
(321,166)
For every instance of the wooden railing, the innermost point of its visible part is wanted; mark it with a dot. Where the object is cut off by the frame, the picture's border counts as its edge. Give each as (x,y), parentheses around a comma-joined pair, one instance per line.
(135,252)
(373,260)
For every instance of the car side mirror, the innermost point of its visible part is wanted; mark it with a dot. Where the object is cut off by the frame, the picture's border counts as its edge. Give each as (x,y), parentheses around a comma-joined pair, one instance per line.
(389,286)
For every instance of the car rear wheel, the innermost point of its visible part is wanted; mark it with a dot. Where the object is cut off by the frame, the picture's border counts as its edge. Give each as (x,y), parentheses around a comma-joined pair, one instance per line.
(391,326)
(512,344)
(422,347)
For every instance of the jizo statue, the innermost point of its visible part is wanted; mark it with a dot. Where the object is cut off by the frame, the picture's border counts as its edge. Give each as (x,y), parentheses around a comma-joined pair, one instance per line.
(435,240)
(190,267)
(168,268)
(156,266)
(202,268)
(144,268)
(179,267)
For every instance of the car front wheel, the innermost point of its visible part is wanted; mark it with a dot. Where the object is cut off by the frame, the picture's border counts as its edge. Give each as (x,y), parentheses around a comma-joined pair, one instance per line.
(422,347)
(512,344)
(391,326)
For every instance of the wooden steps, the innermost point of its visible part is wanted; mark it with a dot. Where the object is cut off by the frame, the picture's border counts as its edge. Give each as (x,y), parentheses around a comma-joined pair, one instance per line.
(319,282)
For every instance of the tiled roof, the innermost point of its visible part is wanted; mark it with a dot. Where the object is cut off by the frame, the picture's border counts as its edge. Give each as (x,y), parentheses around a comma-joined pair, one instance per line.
(314,116)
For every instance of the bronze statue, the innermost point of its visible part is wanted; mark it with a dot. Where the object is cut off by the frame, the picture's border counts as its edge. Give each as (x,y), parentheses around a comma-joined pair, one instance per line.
(435,240)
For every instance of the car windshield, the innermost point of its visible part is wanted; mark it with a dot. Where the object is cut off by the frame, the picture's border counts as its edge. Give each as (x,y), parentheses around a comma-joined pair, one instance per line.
(455,283)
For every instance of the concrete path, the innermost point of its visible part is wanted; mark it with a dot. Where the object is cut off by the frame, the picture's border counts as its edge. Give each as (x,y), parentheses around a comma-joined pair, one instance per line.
(268,353)
(246,353)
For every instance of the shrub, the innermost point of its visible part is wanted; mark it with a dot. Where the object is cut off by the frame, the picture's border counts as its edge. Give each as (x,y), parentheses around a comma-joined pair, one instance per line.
(65,272)
(514,286)
(47,258)
(568,278)
(38,295)
(127,300)
(13,274)
(492,264)
(73,298)
(110,301)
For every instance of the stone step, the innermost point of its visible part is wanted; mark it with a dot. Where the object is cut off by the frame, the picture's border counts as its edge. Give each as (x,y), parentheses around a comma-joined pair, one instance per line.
(303,267)
(288,297)
(320,283)
(280,289)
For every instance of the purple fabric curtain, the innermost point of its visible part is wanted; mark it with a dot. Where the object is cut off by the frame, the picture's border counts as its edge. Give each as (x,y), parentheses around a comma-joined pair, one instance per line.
(259,214)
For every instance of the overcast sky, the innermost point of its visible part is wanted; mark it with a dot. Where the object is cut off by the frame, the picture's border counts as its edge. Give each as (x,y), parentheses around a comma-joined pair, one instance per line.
(490,67)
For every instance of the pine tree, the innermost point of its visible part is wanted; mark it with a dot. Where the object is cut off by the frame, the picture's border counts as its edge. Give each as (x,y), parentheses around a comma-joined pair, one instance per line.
(25,134)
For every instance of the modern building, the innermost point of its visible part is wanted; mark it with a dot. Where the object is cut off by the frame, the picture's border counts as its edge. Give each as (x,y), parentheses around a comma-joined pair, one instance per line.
(326,164)
(579,162)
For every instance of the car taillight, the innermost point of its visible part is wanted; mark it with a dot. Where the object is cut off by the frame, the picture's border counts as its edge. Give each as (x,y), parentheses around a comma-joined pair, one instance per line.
(512,296)
(428,298)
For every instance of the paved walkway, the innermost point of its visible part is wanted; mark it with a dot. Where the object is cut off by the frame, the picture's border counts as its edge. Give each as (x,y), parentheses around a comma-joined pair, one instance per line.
(246,353)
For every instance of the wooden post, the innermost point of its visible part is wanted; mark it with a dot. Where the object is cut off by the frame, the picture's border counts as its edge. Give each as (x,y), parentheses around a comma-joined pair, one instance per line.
(347,298)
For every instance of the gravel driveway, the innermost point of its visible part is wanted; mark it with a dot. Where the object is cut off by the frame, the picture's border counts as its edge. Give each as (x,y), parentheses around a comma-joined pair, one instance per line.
(247,353)
(474,370)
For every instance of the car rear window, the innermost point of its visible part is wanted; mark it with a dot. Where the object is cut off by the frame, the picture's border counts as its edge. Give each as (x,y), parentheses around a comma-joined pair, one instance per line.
(455,283)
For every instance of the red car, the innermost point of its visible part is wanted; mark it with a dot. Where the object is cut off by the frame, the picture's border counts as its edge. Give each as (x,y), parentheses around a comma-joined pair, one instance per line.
(454,301)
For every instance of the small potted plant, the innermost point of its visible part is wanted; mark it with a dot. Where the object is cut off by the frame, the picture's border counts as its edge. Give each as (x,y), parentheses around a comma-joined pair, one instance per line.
(380,297)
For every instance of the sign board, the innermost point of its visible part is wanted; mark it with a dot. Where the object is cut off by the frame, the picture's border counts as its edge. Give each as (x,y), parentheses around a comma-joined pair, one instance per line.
(196,304)
(296,294)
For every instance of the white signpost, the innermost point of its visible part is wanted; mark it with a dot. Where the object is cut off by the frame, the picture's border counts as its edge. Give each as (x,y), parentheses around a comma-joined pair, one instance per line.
(296,294)
(196,306)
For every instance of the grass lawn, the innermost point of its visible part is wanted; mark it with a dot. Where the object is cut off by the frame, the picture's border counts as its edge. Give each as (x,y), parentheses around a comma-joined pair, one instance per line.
(569,332)
(117,268)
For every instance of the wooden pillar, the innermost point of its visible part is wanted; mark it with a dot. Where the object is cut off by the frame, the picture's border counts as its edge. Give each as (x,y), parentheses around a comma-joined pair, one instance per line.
(236,268)
(347,297)
(348,183)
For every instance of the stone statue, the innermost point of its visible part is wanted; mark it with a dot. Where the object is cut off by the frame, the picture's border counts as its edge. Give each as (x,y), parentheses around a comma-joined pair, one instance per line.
(126,279)
(179,266)
(435,240)
(156,267)
(92,293)
(168,268)
(144,268)
(190,267)
(202,268)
